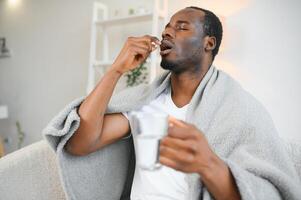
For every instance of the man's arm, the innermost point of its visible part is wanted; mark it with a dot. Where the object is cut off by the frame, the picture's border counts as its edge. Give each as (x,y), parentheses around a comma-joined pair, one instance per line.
(186,149)
(87,137)
(96,128)
(219,180)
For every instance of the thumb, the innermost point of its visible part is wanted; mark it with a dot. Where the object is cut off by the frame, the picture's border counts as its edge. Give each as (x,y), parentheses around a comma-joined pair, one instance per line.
(172,121)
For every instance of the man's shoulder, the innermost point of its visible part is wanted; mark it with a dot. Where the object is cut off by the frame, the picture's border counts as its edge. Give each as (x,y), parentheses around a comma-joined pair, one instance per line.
(243,99)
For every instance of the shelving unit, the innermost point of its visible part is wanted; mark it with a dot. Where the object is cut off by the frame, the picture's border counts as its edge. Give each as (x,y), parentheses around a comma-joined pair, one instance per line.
(160,12)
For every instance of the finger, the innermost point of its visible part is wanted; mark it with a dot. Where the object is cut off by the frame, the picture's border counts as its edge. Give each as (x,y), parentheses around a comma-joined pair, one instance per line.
(142,40)
(175,143)
(154,46)
(177,156)
(183,133)
(155,40)
(151,41)
(137,50)
(155,43)
(145,45)
(172,121)
(168,162)
(141,45)
(147,38)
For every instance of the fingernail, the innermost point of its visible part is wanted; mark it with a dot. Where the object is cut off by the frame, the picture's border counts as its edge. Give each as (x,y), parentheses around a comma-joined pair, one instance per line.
(155,43)
(154,46)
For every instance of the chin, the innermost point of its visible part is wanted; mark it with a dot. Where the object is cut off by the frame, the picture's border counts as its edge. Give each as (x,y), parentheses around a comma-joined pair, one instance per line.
(167,64)
(172,65)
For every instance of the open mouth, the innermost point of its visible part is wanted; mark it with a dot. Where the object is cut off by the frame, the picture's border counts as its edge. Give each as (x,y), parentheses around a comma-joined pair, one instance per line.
(165,47)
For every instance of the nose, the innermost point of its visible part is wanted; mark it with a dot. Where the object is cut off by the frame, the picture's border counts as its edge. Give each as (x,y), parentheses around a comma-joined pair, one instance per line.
(168,33)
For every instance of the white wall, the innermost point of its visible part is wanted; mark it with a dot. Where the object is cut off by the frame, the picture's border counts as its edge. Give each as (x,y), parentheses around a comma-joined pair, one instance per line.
(261,50)
(50,43)
(267,52)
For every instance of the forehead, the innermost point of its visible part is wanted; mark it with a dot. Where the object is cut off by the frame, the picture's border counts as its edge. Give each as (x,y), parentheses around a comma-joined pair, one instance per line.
(188,14)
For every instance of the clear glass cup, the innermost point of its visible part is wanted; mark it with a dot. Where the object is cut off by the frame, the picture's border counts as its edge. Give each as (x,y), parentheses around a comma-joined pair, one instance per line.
(149,129)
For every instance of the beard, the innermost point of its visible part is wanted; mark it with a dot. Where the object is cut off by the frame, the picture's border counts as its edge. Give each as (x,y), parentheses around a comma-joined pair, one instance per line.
(178,66)
(174,66)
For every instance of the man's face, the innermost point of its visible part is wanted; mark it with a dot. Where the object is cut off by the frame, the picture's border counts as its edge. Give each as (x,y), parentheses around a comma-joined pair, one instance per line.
(182,41)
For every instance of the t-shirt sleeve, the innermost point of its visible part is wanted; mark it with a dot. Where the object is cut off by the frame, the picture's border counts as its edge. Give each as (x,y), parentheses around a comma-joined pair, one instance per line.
(126,114)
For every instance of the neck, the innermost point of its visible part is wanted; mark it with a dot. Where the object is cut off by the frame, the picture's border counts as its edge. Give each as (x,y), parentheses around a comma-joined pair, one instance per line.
(184,85)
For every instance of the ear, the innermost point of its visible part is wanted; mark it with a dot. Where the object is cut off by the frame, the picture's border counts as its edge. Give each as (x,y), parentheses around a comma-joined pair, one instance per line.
(210,43)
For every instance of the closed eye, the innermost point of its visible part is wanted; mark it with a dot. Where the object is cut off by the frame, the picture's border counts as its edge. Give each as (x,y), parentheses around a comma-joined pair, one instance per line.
(182,27)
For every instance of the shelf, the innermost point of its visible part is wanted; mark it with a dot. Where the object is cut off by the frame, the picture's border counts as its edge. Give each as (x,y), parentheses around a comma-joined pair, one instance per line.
(129,19)
(101,66)
(102,63)
(102,22)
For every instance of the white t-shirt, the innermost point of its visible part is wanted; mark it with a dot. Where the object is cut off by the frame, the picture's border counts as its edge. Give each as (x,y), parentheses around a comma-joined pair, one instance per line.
(164,183)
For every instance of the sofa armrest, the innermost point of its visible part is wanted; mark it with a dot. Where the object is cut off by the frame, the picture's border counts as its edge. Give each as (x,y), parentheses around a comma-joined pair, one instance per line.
(30,173)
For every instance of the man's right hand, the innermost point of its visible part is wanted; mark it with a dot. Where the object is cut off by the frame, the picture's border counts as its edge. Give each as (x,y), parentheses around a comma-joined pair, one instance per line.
(134,52)
(98,129)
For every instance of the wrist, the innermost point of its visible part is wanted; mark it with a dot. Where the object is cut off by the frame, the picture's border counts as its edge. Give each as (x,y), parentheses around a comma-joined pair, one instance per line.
(215,167)
(115,71)
(219,180)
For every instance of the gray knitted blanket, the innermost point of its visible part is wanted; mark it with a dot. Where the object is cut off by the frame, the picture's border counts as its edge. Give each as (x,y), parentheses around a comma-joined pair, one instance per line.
(237,127)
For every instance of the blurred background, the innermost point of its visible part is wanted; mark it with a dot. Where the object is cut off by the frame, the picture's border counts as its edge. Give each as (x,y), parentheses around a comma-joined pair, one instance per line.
(52,52)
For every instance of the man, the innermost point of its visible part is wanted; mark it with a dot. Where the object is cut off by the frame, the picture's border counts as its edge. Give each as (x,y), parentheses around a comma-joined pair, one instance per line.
(189,45)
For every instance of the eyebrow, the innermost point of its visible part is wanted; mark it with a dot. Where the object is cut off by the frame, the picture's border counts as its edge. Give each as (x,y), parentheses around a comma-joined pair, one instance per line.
(178,22)
(182,22)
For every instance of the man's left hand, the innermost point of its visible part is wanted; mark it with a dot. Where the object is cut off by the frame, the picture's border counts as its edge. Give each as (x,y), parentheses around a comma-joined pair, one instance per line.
(185,148)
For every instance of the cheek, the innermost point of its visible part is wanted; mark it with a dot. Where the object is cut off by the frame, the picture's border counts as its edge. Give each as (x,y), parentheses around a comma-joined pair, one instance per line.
(189,46)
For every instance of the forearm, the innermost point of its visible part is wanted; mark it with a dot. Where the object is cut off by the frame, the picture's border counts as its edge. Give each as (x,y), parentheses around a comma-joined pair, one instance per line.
(92,109)
(91,113)
(95,105)
(219,181)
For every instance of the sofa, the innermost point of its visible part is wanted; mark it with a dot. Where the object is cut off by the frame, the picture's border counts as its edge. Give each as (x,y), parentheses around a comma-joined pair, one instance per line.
(31,173)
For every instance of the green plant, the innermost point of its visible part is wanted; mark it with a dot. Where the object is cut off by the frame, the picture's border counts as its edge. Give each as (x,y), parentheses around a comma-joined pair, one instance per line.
(131,11)
(137,75)
(20,134)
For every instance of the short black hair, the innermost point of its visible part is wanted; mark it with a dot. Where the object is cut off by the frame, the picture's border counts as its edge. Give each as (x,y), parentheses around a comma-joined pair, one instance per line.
(212,27)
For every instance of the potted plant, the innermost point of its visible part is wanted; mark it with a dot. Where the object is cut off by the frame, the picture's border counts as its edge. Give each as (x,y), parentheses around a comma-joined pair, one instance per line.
(137,75)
